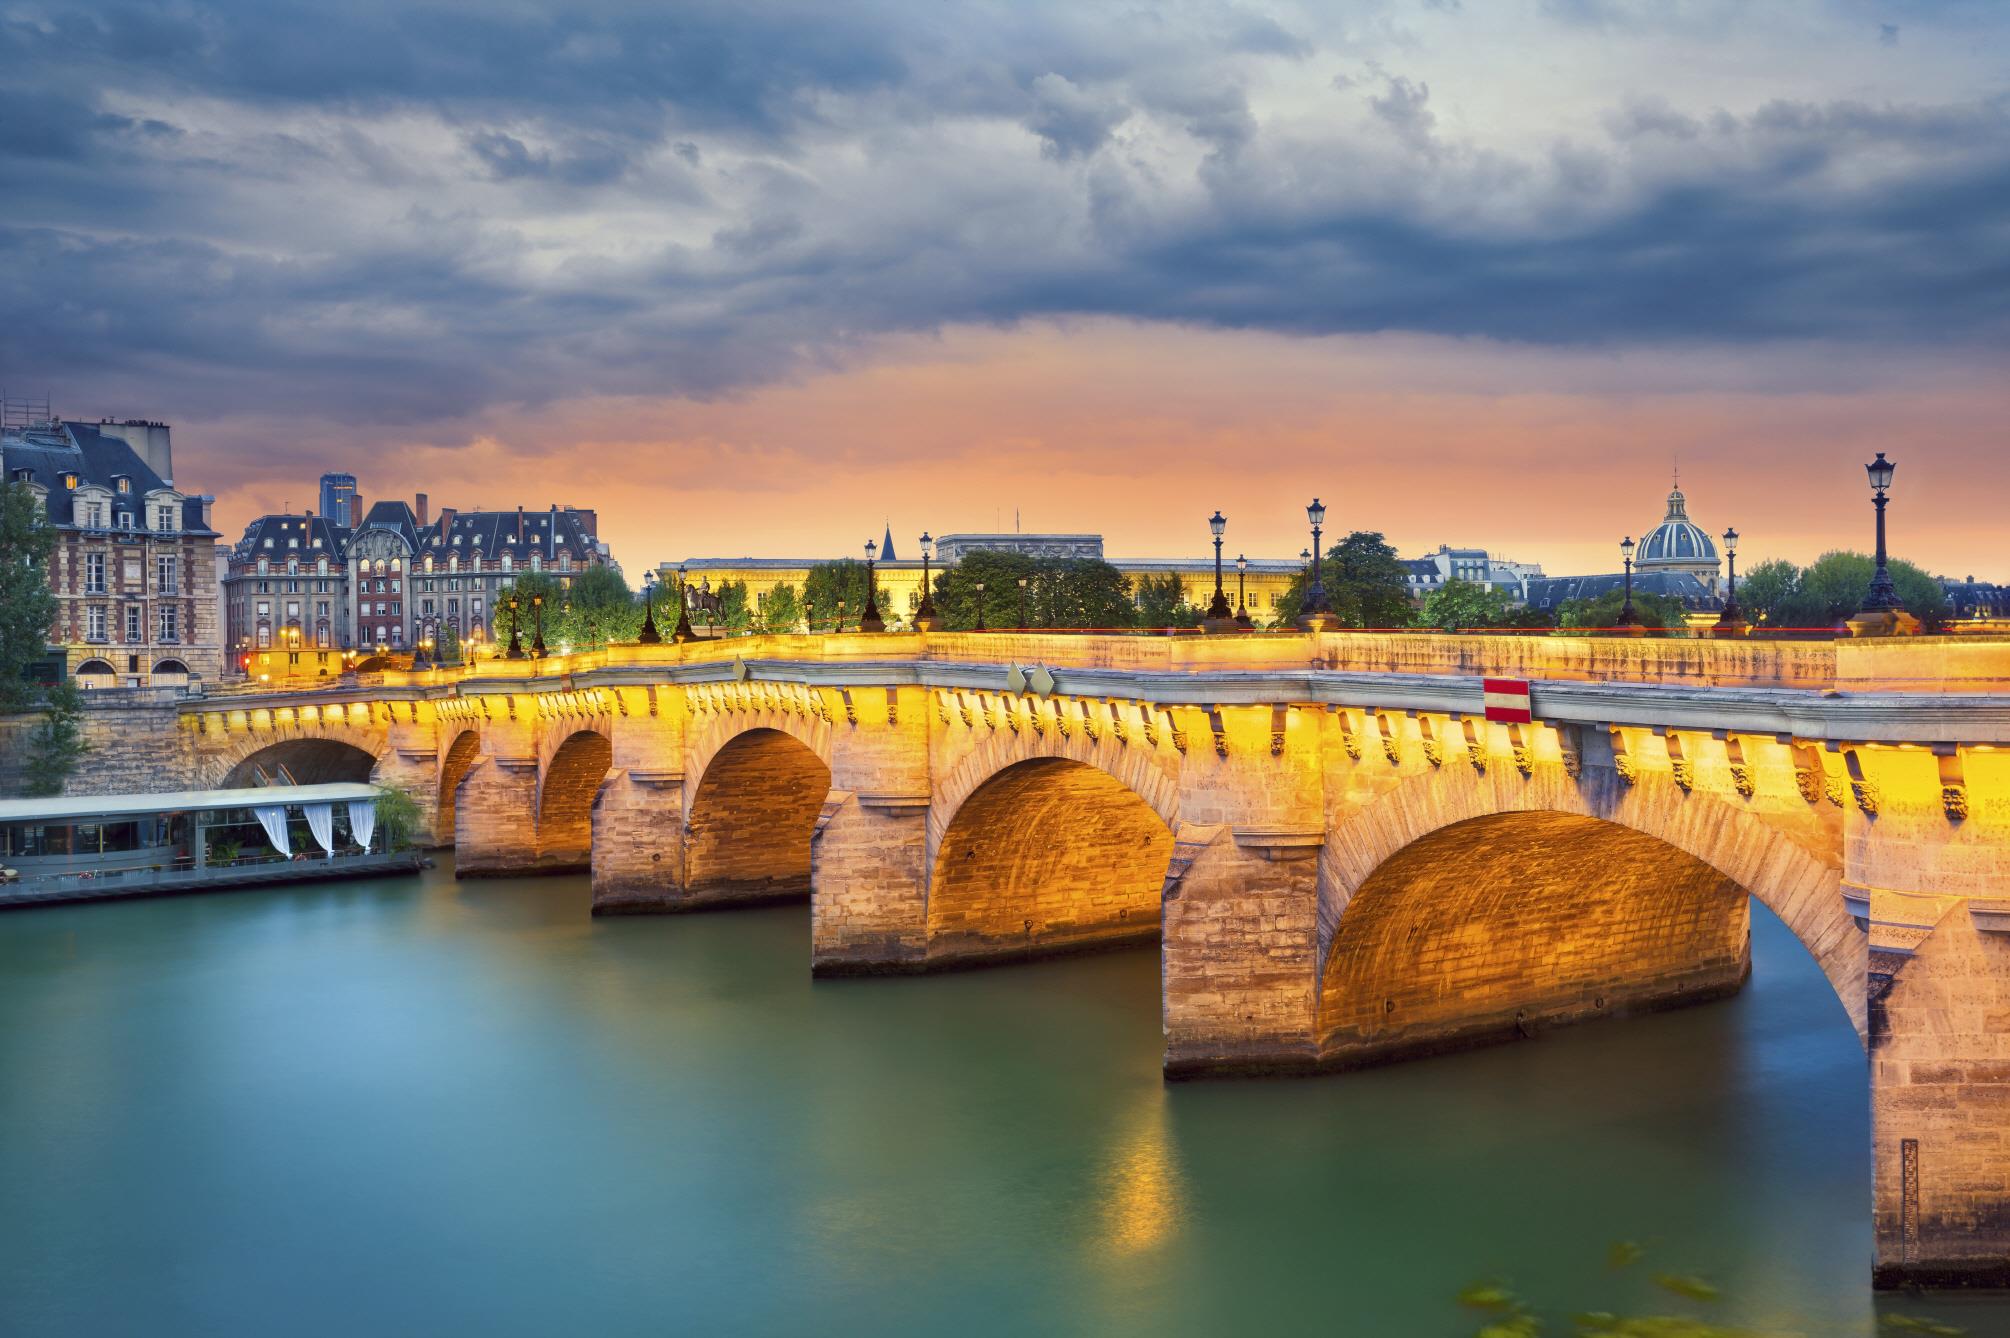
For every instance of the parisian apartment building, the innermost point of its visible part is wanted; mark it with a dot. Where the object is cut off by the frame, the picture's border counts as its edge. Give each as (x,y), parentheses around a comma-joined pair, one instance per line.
(134,569)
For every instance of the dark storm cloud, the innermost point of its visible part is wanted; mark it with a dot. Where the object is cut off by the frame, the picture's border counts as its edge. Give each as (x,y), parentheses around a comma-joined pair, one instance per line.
(277,205)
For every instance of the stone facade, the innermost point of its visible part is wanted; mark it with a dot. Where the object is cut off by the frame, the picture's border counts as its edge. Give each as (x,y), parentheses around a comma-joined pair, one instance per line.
(1345,862)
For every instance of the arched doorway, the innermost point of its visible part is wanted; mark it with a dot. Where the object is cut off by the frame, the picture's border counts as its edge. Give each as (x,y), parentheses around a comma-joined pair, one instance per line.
(303,762)
(1047,854)
(1497,926)
(565,801)
(752,817)
(95,673)
(170,674)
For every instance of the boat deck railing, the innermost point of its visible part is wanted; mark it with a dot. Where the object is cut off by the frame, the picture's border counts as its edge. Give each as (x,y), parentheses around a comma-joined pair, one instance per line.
(255,870)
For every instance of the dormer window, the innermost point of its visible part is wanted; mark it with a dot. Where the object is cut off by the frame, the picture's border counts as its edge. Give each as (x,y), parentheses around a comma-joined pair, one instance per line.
(123,483)
(69,480)
(125,520)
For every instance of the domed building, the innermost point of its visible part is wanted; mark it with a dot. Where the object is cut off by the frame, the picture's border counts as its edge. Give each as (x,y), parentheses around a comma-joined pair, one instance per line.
(1678,544)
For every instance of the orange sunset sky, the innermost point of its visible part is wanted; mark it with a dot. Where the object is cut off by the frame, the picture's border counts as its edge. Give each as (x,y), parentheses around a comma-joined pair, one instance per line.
(759,281)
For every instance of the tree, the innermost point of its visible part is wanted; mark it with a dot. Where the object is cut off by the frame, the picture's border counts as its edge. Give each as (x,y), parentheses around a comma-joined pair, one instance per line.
(1656,611)
(735,613)
(1364,582)
(1464,604)
(1834,584)
(27,608)
(999,573)
(57,744)
(1162,603)
(1080,592)
(781,610)
(604,610)
(398,816)
(828,582)
(1764,590)
(527,586)
(447,645)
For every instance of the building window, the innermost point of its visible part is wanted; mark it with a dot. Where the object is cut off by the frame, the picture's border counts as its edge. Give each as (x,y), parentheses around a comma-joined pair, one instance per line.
(170,623)
(264,636)
(94,623)
(164,518)
(94,573)
(132,624)
(125,520)
(164,574)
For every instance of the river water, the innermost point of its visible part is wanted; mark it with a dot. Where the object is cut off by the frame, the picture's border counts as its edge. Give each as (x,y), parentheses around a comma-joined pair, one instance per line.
(413,1106)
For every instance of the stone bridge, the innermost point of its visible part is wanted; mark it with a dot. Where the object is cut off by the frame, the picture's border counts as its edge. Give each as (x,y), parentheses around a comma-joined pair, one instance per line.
(1344,861)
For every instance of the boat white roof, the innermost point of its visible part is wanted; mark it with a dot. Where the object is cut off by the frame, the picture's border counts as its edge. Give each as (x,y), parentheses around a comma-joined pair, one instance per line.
(107,807)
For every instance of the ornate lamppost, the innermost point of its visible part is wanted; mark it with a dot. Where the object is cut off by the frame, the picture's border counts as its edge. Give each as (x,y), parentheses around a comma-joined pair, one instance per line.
(1241,592)
(515,651)
(1628,618)
(419,647)
(537,636)
(1317,615)
(1220,618)
(649,635)
(1883,613)
(1022,603)
(682,633)
(924,615)
(980,608)
(1731,622)
(870,621)
(809,615)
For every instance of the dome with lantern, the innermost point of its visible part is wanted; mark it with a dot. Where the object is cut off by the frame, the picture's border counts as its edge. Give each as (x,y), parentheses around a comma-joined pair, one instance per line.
(1679,544)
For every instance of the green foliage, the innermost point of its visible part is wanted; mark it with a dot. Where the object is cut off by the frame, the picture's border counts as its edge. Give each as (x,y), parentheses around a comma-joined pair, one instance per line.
(1508,1315)
(1656,611)
(1060,592)
(829,582)
(447,645)
(1162,603)
(999,573)
(1468,604)
(781,611)
(1763,591)
(735,613)
(57,744)
(1832,587)
(603,610)
(27,608)
(1364,585)
(398,815)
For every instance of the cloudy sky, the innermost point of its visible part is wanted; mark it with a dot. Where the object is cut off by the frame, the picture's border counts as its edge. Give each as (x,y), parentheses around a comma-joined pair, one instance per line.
(755,277)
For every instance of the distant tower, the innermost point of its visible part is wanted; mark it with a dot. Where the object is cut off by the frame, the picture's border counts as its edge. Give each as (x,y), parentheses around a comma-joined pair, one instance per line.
(886,547)
(1678,544)
(338,499)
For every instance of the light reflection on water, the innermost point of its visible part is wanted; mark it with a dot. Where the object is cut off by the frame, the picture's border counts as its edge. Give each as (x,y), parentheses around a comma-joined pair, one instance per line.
(425,1107)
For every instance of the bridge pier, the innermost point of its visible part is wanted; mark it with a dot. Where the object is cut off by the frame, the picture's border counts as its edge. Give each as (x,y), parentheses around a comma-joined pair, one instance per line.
(495,831)
(869,911)
(638,845)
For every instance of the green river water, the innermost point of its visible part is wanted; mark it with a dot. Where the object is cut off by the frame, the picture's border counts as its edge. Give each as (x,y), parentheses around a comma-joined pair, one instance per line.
(416,1106)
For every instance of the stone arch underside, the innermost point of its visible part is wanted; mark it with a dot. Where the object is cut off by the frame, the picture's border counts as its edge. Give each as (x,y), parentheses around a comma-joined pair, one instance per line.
(309,761)
(752,817)
(460,756)
(1495,926)
(566,792)
(1049,854)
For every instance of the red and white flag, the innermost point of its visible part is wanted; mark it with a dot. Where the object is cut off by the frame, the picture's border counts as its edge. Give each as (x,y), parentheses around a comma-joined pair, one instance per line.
(1507,700)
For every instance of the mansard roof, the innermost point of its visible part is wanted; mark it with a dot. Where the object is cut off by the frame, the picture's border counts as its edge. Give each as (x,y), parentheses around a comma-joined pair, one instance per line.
(518,533)
(284,531)
(49,454)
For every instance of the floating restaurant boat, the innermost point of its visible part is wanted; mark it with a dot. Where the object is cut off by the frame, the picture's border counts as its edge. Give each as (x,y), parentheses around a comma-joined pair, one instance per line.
(92,847)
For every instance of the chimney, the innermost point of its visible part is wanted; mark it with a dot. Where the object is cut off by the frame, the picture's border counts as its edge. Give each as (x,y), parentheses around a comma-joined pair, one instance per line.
(423,519)
(519,524)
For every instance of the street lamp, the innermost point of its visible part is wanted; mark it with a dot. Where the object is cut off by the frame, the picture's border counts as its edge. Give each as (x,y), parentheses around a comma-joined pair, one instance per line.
(515,651)
(1241,591)
(682,633)
(924,615)
(649,635)
(840,623)
(1731,622)
(980,609)
(1882,612)
(537,637)
(1220,618)
(1627,617)
(809,614)
(1022,603)
(870,621)
(1317,615)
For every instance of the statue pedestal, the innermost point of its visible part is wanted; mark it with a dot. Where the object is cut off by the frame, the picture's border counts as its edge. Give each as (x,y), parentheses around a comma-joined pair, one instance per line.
(1883,622)
(1318,622)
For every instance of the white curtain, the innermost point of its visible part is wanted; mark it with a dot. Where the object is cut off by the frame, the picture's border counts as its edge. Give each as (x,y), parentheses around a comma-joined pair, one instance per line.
(363,820)
(272,817)
(321,822)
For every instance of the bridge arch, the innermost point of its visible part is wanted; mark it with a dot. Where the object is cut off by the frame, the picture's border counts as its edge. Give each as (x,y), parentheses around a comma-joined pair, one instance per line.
(566,787)
(752,815)
(456,760)
(1047,853)
(1457,908)
(310,759)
